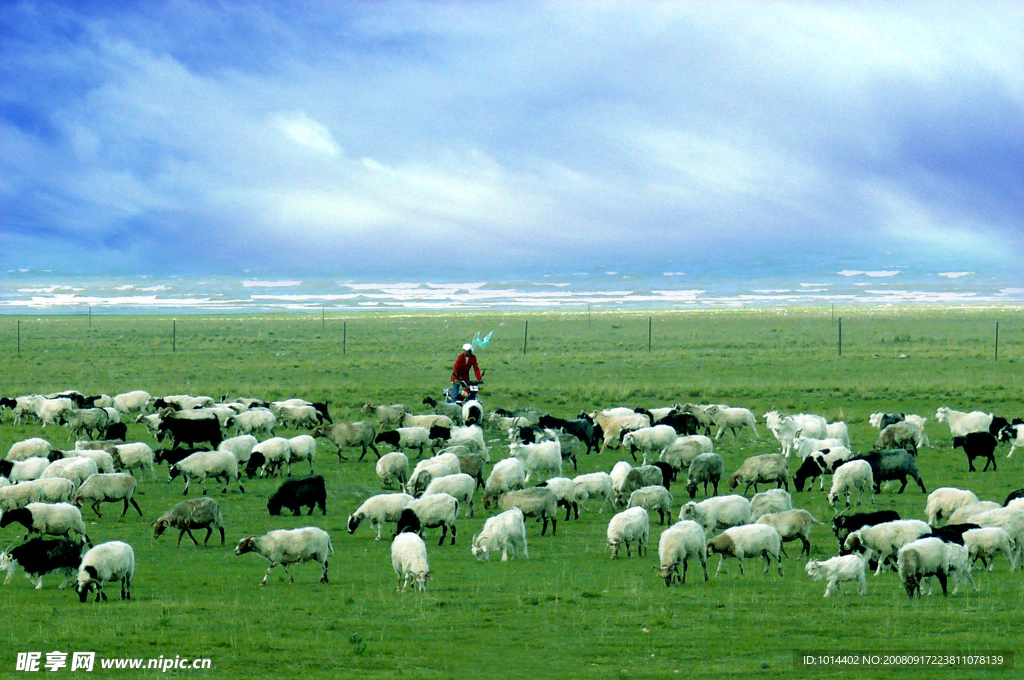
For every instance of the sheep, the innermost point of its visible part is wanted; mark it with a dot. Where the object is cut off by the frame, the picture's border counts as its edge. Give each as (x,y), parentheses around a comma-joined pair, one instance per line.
(985,543)
(884,420)
(128,457)
(199,466)
(195,513)
(786,428)
(1012,496)
(385,507)
(583,429)
(507,475)
(838,569)
(241,446)
(960,423)
(885,539)
(594,485)
(653,498)
(536,502)
(920,559)
(842,525)
(902,435)
(614,427)
(764,469)
(746,541)
(565,491)
(619,472)
(678,544)
(731,419)
(104,461)
(541,458)
(648,439)
(151,422)
(893,464)
(1010,433)
(24,470)
(386,415)
(404,438)
(645,475)
(977,445)
(393,466)
(828,460)
(700,412)
(471,436)
(854,474)
(718,512)
(76,468)
(944,501)
(681,453)
(501,532)
(51,410)
(460,486)
(427,421)
(29,448)
(55,519)
(180,429)
(409,560)
(19,495)
(288,546)
(569,445)
(107,488)
(131,402)
(791,525)
(108,562)
(303,447)
(41,556)
(437,509)
(55,490)
(1011,519)
(453,411)
(774,500)
(296,493)
(276,452)
(298,417)
(430,469)
(805,446)
(705,468)
(255,421)
(345,435)
(628,526)
(499,422)
(959,566)
(966,512)
(838,430)
(471,463)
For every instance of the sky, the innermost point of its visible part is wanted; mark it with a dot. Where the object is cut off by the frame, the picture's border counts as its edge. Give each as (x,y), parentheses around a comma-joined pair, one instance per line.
(399,137)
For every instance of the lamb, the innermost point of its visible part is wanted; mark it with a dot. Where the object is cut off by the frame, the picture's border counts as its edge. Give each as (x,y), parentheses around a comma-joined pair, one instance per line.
(786,428)
(565,491)
(628,526)
(303,447)
(966,512)
(460,486)
(434,510)
(893,464)
(29,448)
(839,569)
(732,419)
(791,525)
(648,439)
(345,435)
(900,435)
(637,478)
(107,488)
(385,507)
(393,466)
(764,469)
(536,502)
(276,452)
(544,458)
(76,468)
(653,498)
(296,493)
(19,495)
(55,519)
(501,532)
(404,438)
(718,512)
(705,468)
(24,470)
(774,500)
(944,501)
(195,513)
(985,543)
(920,559)
(255,421)
(199,466)
(746,541)
(453,411)
(134,401)
(1010,433)
(409,560)
(108,562)
(430,469)
(55,490)
(41,556)
(678,544)
(288,546)
(805,446)
(854,474)
(960,423)
(593,485)
(885,539)
(506,475)
(1011,519)
(977,445)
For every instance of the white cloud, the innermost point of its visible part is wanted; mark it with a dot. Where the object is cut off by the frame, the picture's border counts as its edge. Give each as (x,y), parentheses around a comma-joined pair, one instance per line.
(305,131)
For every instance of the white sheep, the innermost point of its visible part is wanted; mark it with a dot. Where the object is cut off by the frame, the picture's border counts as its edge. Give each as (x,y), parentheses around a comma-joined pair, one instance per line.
(49,411)
(619,473)
(393,466)
(986,543)
(830,459)
(113,561)
(404,438)
(426,471)
(298,417)
(966,512)
(805,446)
(472,437)
(409,560)
(653,498)
(718,512)
(104,461)
(537,502)
(107,488)
(386,415)
(649,439)
(303,447)
(732,419)
(501,532)
(839,569)
(76,468)
(29,448)
(203,464)
(791,525)
(55,519)
(25,470)
(55,490)
(855,474)
(1011,519)
(19,495)
(437,510)
(427,421)
(676,546)
(961,424)
(747,540)
(241,446)
(288,546)
(385,507)
(886,538)
(920,559)
(594,485)
(629,526)
(255,421)
(773,500)
(565,491)
(131,402)
(542,458)
(507,475)
(680,453)
(137,455)
(767,469)
(460,486)
(944,501)
(277,454)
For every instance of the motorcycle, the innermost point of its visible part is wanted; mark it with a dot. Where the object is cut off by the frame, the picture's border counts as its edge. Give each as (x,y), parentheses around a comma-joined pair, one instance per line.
(467,391)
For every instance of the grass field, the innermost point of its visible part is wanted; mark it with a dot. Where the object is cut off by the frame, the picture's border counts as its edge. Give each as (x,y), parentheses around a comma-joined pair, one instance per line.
(568,611)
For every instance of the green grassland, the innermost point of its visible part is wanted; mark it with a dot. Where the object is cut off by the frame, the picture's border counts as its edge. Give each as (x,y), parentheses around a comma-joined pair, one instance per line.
(568,611)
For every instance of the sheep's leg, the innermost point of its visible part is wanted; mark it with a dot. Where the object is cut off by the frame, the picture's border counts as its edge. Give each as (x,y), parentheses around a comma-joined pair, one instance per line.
(554,526)
(324,579)
(340,457)
(806,545)
(206,541)
(221,535)
(782,548)
(188,480)
(720,562)
(544,528)
(291,579)
(941,575)
(96,508)
(740,560)
(704,564)
(453,535)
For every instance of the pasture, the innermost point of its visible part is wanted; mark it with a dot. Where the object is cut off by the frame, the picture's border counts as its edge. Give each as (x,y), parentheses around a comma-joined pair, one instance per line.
(568,611)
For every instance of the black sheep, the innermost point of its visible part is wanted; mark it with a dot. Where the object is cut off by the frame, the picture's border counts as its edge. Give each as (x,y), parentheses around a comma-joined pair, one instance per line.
(977,445)
(296,493)
(42,556)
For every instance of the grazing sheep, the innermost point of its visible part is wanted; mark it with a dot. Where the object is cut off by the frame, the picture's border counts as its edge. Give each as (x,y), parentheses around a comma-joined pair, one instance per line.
(294,494)
(705,468)
(241,446)
(773,500)
(113,561)
(985,543)
(538,502)
(393,466)
(409,560)
(107,488)
(637,478)
(55,490)
(507,475)
(594,485)
(1010,518)
(131,402)
(460,486)
(977,445)
(653,498)
(854,474)
(385,507)
(920,559)
(805,446)
(276,452)
(288,546)
(543,458)
(24,470)
(960,423)
(565,491)
(628,526)
(29,448)
(732,419)
(404,438)
(430,469)
(501,532)
(255,421)
(747,540)
(55,519)
(344,435)
(893,464)
(19,495)
(902,435)
(298,417)
(966,512)
(42,556)
(944,501)
(195,513)
(104,461)
(842,525)
(885,539)
(839,569)
(619,472)
(681,453)
(435,510)
(786,428)
(214,464)
(453,411)
(678,544)
(77,469)
(648,439)
(128,457)
(791,525)
(764,469)
(718,512)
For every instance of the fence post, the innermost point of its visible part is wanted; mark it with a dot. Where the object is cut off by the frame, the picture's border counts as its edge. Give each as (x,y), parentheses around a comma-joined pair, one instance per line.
(526,329)
(840,336)
(997,341)
(649,334)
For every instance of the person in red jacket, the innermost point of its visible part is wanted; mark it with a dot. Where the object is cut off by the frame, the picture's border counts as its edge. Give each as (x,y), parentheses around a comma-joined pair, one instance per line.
(460,372)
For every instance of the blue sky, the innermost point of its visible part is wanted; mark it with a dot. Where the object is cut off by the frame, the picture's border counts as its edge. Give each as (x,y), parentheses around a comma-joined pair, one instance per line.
(206,137)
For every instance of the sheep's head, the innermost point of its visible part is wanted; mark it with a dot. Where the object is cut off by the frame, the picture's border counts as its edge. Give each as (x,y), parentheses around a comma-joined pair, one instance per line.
(160,526)
(8,564)
(247,544)
(354,520)
(734,481)
(813,569)
(668,572)
(420,580)
(853,541)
